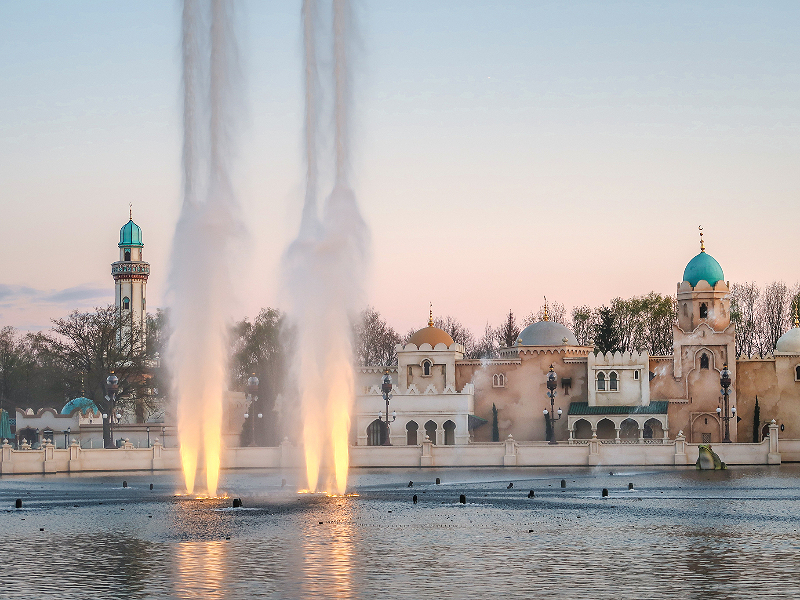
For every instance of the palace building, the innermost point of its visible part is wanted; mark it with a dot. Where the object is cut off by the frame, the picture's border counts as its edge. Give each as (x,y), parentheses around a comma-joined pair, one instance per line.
(621,397)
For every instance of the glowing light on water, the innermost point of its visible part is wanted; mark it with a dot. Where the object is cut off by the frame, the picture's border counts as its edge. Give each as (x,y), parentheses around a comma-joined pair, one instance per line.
(202,252)
(324,268)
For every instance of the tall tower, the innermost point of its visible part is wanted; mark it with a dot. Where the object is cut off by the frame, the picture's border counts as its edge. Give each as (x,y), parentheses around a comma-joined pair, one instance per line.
(130,274)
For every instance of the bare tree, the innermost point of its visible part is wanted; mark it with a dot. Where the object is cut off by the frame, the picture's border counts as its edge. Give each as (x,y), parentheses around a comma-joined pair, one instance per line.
(90,345)
(774,314)
(583,325)
(486,347)
(744,304)
(375,339)
(555,311)
(458,332)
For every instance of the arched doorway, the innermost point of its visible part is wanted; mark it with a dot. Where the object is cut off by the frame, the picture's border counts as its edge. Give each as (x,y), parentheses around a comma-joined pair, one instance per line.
(705,429)
(653,430)
(606,430)
(430,430)
(375,433)
(449,433)
(629,430)
(411,433)
(582,430)
(765,432)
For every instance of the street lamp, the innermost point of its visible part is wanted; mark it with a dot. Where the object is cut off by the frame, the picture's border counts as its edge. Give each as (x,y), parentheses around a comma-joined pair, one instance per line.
(112,387)
(147,429)
(552,384)
(725,382)
(164,437)
(66,434)
(386,388)
(252,396)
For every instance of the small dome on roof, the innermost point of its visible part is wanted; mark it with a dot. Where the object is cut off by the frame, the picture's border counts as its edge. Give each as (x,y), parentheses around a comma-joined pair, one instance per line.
(84,404)
(431,335)
(789,342)
(130,235)
(546,333)
(703,267)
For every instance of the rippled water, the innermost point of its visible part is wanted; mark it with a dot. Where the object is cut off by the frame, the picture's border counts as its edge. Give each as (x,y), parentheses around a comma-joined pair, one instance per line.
(679,533)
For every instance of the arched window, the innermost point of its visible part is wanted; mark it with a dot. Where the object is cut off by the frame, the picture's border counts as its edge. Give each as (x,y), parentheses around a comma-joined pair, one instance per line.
(704,361)
(449,433)
(430,430)
(685,310)
(601,381)
(375,433)
(498,380)
(797,373)
(613,384)
(411,433)
(127,254)
(126,303)
(426,367)
(703,311)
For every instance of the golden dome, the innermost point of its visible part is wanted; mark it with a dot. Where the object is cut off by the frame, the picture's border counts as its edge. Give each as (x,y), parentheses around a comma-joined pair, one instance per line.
(430,335)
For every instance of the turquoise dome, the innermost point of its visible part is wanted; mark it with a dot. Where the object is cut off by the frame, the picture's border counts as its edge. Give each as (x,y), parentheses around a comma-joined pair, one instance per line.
(130,235)
(703,267)
(84,404)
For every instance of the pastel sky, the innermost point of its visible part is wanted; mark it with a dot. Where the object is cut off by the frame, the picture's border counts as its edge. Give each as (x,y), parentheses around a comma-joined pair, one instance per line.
(503,151)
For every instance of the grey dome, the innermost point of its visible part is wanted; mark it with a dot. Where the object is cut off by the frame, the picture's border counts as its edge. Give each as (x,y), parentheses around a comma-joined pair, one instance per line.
(789,342)
(546,333)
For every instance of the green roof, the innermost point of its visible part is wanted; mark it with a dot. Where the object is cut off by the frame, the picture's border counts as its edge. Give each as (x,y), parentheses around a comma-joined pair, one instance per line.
(703,267)
(657,407)
(130,235)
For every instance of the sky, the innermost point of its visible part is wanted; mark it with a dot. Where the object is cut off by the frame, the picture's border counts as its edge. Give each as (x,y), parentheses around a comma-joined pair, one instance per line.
(503,151)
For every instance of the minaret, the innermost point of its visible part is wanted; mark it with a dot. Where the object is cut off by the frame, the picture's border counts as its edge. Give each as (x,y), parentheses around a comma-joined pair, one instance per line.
(130,274)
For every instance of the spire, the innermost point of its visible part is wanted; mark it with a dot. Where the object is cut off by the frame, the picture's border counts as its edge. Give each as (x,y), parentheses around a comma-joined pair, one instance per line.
(702,244)
(130,208)
(430,317)
(546,313)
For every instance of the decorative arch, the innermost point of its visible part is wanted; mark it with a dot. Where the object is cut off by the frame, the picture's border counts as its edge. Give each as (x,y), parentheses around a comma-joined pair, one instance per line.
(613,382)
(601,381)
(126,303)
(582,430)
(430,430)
(449,433)
(411,433)
(375,433)
(606,429)
(426,367)
(498,380)
(653,429)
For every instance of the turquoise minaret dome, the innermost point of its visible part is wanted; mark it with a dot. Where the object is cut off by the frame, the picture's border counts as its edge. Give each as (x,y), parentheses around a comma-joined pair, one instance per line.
(130,235)
(703,267)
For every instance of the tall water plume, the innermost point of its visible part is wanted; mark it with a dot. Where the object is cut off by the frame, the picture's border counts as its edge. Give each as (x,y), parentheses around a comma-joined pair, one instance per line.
(202,253)
(324,267)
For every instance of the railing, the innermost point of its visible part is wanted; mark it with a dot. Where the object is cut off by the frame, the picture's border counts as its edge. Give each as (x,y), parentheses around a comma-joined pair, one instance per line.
(127,267)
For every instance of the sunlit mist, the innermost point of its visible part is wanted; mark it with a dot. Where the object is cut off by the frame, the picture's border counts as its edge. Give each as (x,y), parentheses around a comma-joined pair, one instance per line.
(202,252)
(324,266)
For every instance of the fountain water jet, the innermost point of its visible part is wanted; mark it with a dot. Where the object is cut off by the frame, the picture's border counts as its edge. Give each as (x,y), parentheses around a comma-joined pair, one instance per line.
(202,252)
(324,268)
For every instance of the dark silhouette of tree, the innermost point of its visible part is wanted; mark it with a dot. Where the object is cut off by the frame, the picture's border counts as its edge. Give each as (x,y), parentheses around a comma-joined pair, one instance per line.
(606,337)
(495,427)
(375,340)
(756,423)
(508,332)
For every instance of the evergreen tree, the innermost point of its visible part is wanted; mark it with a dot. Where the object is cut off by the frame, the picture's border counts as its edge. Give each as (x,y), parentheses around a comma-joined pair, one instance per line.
(495,427)
(508,332)
(756,423)
(607,337)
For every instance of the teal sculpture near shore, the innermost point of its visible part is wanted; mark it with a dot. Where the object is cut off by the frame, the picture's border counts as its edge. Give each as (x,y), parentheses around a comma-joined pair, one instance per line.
(708,460)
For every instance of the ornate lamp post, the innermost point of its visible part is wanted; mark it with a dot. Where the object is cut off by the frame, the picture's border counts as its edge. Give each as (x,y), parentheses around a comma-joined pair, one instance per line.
(66,434)
(164,436)
(386,388)
(112,387)
(725,382)
(552,384)
(252,396)
(147,429)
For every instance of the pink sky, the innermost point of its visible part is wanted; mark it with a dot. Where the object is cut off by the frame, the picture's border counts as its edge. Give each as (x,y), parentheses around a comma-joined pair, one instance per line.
(502,154)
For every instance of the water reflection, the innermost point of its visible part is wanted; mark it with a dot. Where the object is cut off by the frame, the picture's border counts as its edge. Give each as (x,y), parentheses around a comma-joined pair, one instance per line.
(200,570)
(328,552)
